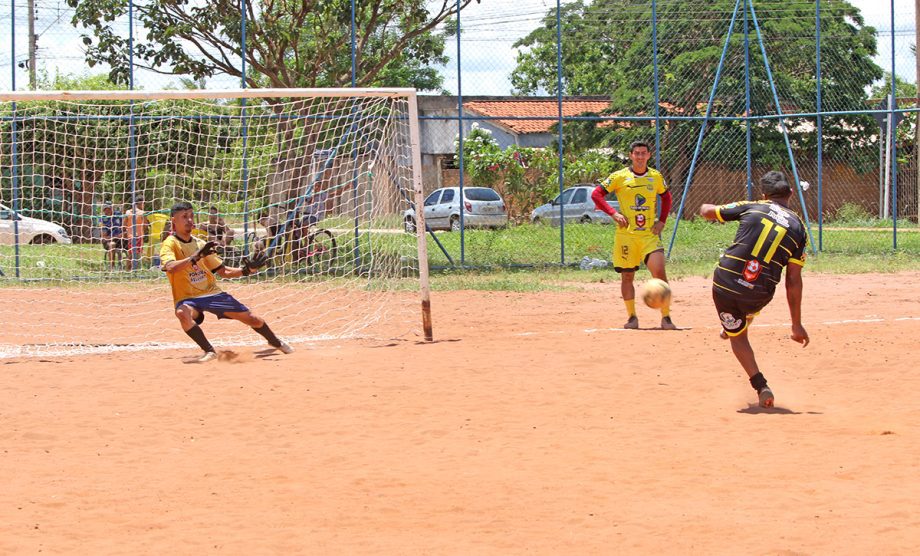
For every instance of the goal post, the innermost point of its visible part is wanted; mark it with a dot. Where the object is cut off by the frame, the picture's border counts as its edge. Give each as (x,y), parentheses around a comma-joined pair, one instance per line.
(320,180)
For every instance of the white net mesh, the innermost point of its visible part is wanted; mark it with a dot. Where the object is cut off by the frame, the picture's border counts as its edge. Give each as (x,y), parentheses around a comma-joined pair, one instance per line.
(321,183)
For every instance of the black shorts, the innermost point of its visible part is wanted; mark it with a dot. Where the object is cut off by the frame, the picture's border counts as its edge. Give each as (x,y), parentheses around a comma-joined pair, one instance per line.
(734,309)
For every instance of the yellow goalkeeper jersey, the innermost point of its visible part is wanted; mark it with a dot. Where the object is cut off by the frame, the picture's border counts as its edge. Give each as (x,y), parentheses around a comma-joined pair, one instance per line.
(195,280)
(638,197)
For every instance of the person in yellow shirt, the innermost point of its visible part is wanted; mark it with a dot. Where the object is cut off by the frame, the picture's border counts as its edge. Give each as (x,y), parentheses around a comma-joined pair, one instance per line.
(638,235)
(192,266)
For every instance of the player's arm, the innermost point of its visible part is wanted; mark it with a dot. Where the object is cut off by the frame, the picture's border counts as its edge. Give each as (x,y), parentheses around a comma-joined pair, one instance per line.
(251,265)
(599,197)
(171,264)
(709,212)
(794,298)
(665,210)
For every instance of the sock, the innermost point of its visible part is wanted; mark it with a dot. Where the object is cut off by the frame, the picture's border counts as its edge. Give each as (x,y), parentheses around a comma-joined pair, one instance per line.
(666,310)
(197,334)
(630,307)
(267,333)
(758,382)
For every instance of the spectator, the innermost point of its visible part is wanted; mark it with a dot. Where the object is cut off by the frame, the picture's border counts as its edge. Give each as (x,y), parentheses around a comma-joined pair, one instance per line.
(112,234)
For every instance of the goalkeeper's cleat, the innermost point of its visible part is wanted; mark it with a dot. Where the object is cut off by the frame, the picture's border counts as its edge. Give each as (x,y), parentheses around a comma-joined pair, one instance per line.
(632,323)
(666,324)
(765,397)
(208,356)
(285,348)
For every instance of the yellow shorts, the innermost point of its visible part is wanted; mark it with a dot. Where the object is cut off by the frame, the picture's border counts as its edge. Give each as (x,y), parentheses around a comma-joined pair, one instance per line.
(631,250)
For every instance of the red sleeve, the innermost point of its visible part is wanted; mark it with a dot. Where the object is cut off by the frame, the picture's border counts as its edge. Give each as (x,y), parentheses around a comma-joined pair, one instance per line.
(600,202)
(665,206)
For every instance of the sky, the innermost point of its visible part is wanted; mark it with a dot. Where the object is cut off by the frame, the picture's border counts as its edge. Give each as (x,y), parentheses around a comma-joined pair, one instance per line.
(487,61)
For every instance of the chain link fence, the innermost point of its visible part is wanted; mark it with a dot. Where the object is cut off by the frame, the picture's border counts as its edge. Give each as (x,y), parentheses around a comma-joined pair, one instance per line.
(724,90)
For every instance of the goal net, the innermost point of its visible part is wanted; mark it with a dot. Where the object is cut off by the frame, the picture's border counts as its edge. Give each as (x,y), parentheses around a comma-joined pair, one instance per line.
(318,179)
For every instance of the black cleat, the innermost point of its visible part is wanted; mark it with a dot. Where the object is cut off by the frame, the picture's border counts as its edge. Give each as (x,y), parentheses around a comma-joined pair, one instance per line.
(632,323)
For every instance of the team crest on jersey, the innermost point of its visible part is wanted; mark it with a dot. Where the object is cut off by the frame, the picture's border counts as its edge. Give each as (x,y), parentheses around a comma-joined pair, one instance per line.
(729,322)
(752,270)
(640,221)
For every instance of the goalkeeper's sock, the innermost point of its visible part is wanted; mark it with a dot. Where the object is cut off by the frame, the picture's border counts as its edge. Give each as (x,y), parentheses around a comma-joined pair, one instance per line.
(197,334)
(267,333)
(630,306)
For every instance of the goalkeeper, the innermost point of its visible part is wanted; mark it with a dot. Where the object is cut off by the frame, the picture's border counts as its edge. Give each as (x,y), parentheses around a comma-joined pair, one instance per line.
(191,265)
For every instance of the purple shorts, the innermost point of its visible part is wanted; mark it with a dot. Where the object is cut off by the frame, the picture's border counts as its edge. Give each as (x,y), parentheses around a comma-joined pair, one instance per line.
(219,304)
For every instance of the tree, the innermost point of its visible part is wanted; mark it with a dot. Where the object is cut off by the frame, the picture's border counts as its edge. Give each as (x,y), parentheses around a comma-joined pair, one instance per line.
(607,49)
(288,43)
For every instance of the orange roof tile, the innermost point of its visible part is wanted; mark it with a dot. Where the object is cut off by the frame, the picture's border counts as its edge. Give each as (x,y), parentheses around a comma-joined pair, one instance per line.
(533,108)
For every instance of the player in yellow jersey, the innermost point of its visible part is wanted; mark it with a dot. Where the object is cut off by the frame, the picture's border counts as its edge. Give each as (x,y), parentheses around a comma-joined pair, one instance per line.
(192,266)
(638,236)
(770,238)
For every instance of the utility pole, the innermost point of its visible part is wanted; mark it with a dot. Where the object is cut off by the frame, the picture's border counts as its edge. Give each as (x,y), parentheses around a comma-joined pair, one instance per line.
(33,40)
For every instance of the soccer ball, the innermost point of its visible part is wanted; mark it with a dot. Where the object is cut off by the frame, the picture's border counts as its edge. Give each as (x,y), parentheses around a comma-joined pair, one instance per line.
(656,293)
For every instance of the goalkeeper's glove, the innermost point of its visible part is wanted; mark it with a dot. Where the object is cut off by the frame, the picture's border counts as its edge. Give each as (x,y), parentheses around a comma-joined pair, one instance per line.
(205,250)
(254,263)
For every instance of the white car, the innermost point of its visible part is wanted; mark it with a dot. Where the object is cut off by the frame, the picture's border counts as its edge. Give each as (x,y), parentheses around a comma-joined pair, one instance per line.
(578,207)
(482,207)
(31,230)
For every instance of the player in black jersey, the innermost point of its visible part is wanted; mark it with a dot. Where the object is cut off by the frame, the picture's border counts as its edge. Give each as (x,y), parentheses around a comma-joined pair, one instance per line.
(770,238)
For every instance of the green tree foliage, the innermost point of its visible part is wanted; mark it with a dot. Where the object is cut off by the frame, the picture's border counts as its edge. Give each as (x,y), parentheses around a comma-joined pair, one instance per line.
(289,44)
(607,49)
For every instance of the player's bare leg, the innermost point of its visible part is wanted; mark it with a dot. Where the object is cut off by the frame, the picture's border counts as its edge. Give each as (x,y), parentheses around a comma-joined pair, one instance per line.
(628,291)
(741,347)
(656,265)
(261,327)
(187,316)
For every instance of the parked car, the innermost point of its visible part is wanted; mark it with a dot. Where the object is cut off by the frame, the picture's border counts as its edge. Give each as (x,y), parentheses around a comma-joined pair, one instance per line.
(31,230)
(578,207)
(482,207)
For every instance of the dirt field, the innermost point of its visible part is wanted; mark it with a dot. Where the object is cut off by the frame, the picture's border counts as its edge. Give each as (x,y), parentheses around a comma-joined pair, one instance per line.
(532,424)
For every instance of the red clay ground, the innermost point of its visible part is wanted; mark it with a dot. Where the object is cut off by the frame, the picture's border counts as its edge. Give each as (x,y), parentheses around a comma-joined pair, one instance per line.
(531,425)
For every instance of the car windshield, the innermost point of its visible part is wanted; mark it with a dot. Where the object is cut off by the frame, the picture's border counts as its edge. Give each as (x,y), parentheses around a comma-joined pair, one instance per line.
(481,194)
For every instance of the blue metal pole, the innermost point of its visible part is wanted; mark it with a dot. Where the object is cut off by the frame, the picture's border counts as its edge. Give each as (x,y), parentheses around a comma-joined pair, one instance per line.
(656,108)
(559,146)
(747,105)
(818,108)
(893,105)
(782,124)
(14,141)
(354,61)
(244,129)
(699,140)
(460,139)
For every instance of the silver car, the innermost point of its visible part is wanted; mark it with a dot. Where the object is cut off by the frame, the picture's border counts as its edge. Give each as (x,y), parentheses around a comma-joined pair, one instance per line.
(31,230)
(578,207)
(482,207)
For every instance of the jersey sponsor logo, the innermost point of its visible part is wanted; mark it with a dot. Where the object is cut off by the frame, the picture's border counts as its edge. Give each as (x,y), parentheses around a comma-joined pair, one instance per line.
(745,283)
(751,270)
(729,322)
(640,203)
(640,222)
(779,216)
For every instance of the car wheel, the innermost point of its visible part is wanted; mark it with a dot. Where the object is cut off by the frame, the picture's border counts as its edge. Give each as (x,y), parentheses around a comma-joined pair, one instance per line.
(410,225)
(455,224)
(536,220)
(42,239)
(586,219)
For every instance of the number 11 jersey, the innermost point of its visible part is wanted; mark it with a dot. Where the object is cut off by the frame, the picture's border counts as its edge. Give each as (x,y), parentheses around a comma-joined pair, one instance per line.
(769,237)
